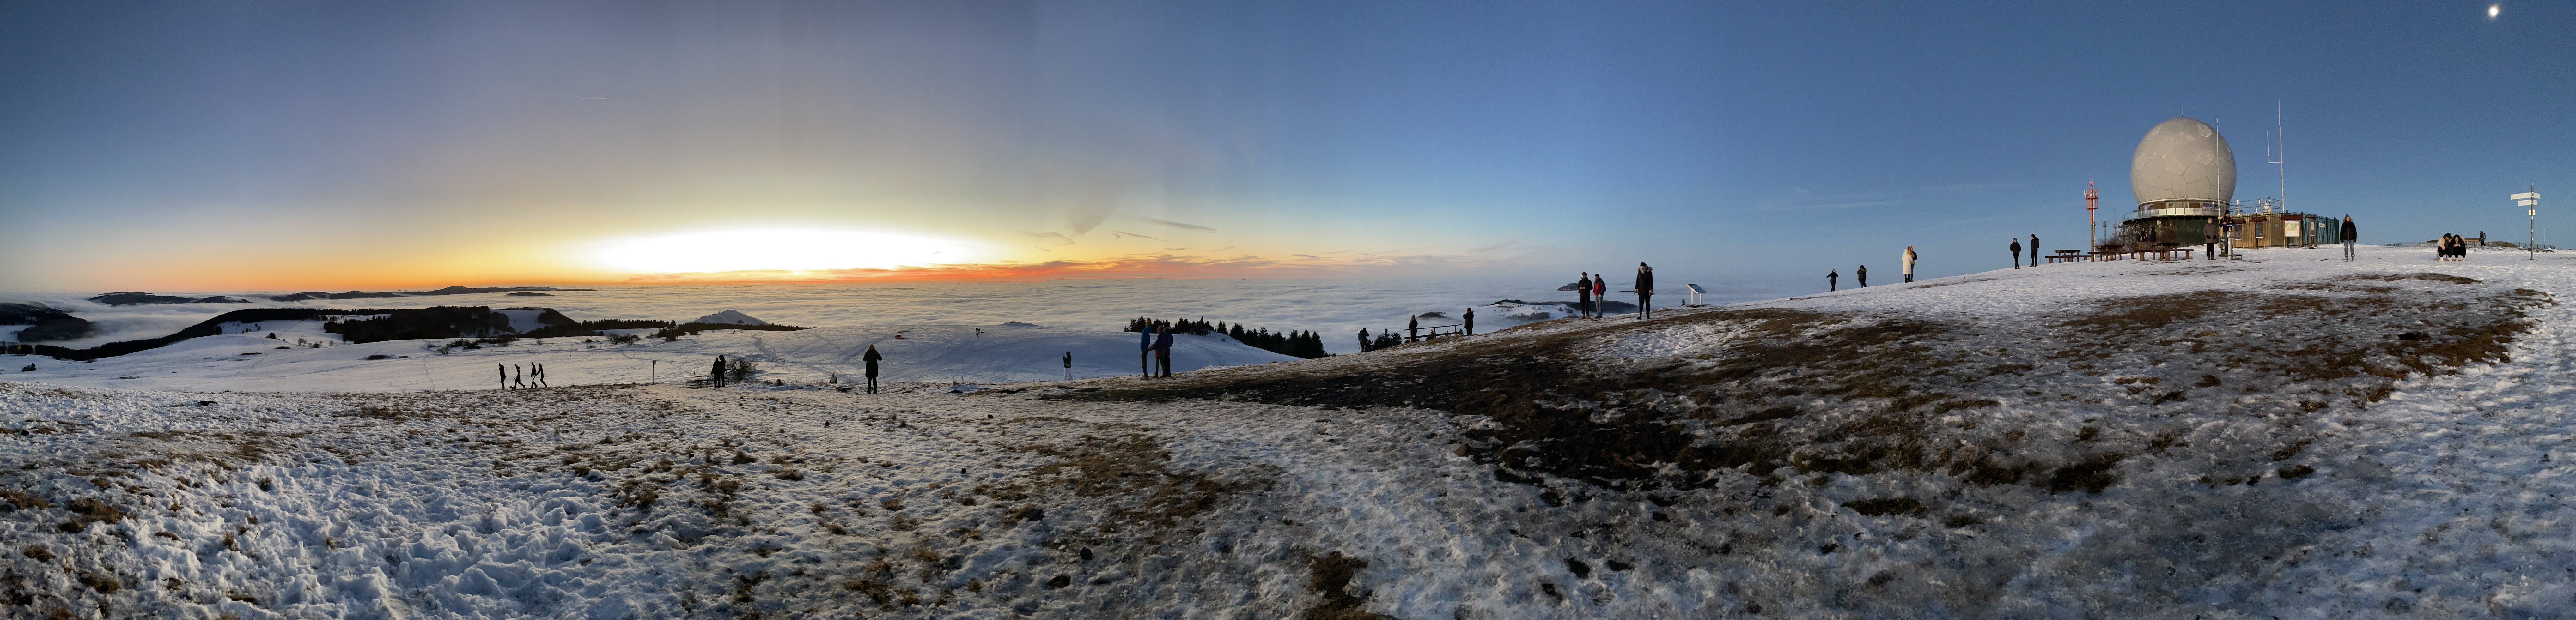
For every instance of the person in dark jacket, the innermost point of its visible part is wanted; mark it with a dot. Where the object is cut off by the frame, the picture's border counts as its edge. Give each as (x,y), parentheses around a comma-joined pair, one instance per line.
(1833,279)
(1145,351)
(1645,291)
(872,357)
(1583,296)
(2016,252)
(1413,328)
(1861,275)
(1068,365)
(2034,250)
(505,374)
(1163,350)
(1470,317)
(717,374)
(2348,233)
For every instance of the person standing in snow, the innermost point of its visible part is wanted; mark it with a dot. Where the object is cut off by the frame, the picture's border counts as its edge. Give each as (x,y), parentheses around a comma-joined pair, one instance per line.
(2348,233)
(1413,328)
(2034,250)
(1908,265)
(1068,365)
(1645,291)
(505,374)
(1145,351)
(1364,343)
(1583,296)
(1833,279)
(717,375)
(1163,350)
(1862,275)
(2016,252)
(1471,321)
(871,358)
(1601,292)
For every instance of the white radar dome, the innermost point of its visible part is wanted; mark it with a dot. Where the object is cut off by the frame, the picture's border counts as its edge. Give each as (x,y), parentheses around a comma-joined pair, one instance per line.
(2183,159)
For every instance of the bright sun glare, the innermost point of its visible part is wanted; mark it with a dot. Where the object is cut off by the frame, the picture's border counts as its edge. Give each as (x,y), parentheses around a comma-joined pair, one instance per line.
(790,250)
(2493,9)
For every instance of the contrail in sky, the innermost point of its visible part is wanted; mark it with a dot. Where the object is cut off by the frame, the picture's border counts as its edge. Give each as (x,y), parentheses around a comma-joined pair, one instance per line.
(598,98)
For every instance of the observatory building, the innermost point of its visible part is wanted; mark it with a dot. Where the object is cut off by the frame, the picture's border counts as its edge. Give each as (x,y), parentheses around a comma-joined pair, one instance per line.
(2183,175)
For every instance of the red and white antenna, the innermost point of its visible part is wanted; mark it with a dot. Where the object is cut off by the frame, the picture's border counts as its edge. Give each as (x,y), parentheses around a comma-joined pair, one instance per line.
(2089,226)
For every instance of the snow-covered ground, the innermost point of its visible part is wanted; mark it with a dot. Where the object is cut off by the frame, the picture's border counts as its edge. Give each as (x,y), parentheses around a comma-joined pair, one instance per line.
(2276,437)
(941,354)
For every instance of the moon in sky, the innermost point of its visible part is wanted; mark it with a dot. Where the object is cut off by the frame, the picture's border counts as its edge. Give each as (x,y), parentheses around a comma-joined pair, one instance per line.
(2493,9)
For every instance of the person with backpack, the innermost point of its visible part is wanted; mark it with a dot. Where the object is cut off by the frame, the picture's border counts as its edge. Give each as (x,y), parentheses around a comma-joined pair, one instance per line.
(2348,233)
(1645,291)
(871,358)
(1163,350)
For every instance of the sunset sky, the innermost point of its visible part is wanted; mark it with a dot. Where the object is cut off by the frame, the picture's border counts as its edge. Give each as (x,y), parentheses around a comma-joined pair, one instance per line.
(215,146)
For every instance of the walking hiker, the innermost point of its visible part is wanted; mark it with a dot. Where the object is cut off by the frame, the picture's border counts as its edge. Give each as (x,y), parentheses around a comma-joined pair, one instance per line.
(2016,252)
(2034,250)
(1163,350)
(871,357)
(1471,321)
(519,377)
(1583,296)
(1862,275)
(2348,233)
(1068,365)
(1645,291)
(1833,279)
(538,371)
(1908,265)
(505,374)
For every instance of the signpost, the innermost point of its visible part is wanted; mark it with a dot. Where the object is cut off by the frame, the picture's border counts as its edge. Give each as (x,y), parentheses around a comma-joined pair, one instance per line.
(2530,202)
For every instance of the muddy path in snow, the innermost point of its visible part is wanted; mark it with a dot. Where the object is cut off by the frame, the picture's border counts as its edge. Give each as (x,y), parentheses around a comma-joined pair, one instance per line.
(1757,389)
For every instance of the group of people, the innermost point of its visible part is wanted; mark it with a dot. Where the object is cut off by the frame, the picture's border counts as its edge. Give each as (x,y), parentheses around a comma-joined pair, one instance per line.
(532,376)
(2016,252)
(1905,263)
(1591,289)
(2451,248)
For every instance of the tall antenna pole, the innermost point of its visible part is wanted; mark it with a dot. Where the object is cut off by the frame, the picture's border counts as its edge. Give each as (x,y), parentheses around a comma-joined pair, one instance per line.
(2090,228)
(2281,158)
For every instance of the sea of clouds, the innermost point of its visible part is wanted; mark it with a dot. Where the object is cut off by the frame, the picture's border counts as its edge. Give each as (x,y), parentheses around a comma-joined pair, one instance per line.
(1336,308)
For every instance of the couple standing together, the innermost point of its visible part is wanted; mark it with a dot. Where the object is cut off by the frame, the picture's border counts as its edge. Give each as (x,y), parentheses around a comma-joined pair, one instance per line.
(1590,290)
(1154,347)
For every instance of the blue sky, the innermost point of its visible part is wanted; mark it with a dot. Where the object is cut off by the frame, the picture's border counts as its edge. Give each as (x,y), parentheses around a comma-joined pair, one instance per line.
(219,146)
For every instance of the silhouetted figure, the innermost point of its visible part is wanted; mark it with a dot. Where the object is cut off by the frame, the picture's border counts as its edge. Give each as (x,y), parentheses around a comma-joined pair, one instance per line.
(1068,365)
(1833,279)
(2016,252)
(1364,341)
(519,378)
(871,358)
(1163,350)
(2348,233)
(1145,351)
(1471,321)
(2034,250)
(1645,291)
(1413,328)
(1861,275)
(1583,296)
(505,374)
(716,376)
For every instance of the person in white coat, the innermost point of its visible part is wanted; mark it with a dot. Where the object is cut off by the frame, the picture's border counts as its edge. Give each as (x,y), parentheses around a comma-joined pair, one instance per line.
(1909,263)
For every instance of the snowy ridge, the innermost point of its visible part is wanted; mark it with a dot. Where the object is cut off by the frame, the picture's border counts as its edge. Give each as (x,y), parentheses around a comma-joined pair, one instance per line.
(2274,437)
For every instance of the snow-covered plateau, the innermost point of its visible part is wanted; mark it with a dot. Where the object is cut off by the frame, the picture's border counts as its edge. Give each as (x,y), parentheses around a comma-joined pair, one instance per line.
(2280,436)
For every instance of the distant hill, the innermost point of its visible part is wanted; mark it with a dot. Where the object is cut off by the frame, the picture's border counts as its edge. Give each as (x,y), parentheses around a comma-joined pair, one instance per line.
(452,290)
(729,317)
(47,324)
(357,326)
(129,298)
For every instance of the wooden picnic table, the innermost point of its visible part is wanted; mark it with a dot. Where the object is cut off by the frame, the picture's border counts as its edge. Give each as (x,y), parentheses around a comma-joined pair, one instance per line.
(2068,256)
(2165,254)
